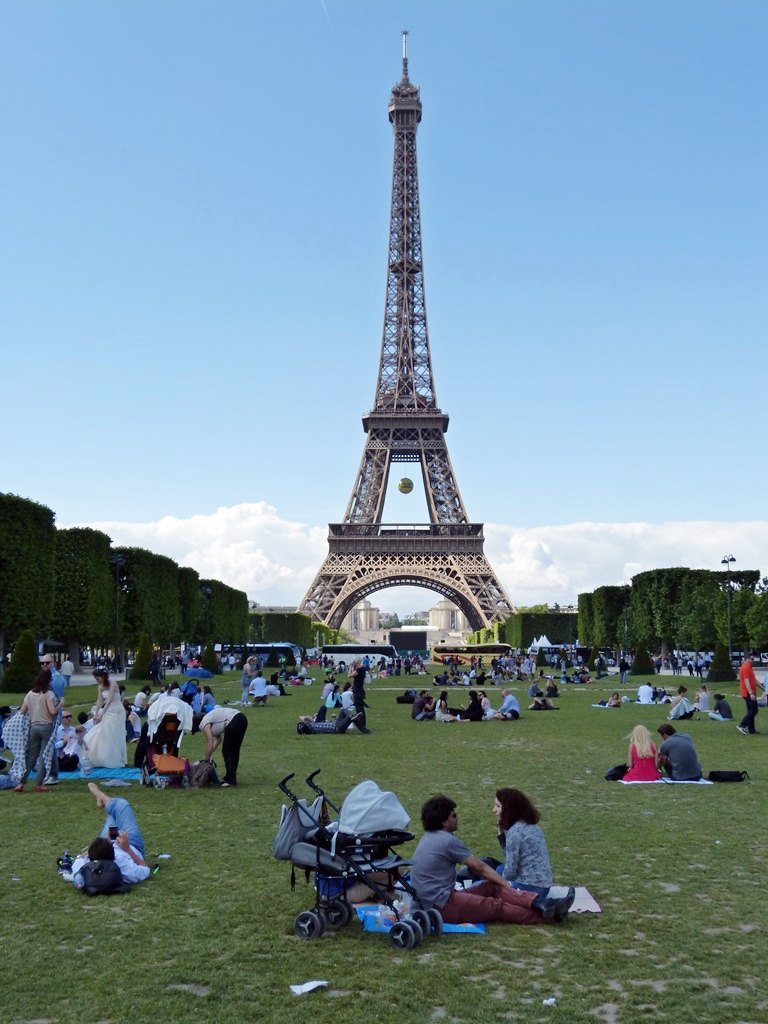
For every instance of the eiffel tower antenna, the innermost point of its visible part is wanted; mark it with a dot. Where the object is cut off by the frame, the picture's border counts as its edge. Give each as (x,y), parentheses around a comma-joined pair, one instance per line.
(406,425)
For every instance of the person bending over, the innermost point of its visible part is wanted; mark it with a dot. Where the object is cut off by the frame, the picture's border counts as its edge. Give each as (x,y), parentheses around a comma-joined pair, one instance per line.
(120,840)
(433,876)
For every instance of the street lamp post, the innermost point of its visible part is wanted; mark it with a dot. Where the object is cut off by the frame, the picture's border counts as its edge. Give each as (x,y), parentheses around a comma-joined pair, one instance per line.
(118,561)
(727,561)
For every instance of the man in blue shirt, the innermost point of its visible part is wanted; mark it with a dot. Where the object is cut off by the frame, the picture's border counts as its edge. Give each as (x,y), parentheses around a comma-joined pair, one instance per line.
(58,685)
(510,708)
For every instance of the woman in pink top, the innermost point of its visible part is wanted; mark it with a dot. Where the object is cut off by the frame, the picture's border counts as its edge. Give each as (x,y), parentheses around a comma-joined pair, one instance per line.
(641,757)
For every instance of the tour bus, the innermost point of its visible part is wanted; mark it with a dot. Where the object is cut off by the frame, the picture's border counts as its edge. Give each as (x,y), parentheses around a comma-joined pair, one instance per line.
(465,652)
(271,654)
(347,652)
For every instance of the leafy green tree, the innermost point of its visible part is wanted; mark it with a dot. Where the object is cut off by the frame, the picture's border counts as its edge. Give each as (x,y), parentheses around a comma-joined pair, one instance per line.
(149,597)
(84,593)
(143,659)
(27,539)
(586,619)
(756,621)
(209,661)
(642,664)
(721,670)
(699,599)
(224,614)
(24,665)
(609,611)
(655,603)
(190,604)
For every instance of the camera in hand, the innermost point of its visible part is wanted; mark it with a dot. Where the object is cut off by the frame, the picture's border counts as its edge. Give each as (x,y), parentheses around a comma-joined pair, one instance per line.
(113,832)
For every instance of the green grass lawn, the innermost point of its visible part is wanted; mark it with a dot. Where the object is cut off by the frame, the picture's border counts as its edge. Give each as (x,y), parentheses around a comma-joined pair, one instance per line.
(678,870)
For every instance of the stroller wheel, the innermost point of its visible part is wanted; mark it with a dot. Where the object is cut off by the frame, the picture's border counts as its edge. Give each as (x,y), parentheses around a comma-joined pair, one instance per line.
(401,935)
(422,919)
(308,925)
(436,921)
(418,932)
(338,914)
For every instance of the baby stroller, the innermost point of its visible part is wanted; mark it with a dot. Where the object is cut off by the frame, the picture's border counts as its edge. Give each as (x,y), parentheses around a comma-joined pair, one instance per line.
(157,752)
(358,847)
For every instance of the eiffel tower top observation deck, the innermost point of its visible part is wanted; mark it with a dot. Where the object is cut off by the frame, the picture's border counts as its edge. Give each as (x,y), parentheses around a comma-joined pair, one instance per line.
(405,425)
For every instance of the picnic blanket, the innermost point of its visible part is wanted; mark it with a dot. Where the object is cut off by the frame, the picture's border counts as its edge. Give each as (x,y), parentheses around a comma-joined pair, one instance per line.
(368,914)
(669,782)
(102,773)
(585,902)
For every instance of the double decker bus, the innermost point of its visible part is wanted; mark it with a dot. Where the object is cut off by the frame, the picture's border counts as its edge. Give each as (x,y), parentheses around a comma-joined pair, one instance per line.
(465,652)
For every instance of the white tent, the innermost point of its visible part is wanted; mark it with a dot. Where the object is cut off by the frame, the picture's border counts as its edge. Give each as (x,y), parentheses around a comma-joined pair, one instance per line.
(543,642)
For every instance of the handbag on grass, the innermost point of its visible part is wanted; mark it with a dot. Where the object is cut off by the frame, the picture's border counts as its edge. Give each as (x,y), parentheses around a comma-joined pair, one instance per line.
(616,774)
(728,776)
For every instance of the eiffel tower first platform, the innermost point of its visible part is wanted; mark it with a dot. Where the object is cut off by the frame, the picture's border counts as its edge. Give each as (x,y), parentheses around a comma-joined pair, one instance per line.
(406,426)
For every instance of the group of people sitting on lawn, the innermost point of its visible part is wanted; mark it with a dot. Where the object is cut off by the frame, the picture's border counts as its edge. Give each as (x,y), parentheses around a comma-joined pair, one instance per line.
(478,708)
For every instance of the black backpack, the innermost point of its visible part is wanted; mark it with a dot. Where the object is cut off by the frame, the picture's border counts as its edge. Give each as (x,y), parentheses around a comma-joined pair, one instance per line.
(727,776)
(102,878)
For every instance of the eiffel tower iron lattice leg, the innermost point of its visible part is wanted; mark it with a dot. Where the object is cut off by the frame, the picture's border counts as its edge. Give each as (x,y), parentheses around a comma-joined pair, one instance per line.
(406,426)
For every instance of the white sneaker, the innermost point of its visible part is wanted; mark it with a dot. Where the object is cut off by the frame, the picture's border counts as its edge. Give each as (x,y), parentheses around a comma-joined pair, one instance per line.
(51,782)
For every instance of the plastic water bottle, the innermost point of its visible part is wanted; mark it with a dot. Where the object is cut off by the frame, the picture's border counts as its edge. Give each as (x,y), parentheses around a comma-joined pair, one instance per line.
(85,765)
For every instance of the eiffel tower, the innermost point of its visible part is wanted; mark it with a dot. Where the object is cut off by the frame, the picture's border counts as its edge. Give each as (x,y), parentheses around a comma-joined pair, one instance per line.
(406,426)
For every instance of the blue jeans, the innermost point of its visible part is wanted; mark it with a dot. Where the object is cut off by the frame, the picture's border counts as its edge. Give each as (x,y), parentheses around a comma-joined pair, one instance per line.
(120,813)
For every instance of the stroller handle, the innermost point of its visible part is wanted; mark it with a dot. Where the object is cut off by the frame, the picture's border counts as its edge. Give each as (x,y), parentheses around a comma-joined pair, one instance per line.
(283,785)
(310,780)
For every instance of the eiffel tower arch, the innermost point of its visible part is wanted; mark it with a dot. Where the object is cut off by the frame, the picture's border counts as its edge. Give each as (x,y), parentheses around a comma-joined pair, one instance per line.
(406,425)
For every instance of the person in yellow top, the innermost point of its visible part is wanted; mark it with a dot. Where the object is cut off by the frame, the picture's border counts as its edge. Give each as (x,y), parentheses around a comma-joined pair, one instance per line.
(748,689)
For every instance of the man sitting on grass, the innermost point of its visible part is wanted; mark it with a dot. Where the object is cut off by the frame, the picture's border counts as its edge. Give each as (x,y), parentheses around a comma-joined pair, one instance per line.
(677,755)
(510,708)
(433,876)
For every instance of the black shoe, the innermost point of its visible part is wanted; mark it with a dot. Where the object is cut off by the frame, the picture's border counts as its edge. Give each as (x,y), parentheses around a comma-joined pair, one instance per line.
(555,909)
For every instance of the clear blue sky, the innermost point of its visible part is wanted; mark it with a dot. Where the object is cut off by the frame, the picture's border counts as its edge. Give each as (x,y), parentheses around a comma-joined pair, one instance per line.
(194,230)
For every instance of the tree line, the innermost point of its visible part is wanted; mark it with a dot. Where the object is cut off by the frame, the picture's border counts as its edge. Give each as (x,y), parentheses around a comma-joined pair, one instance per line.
(74,586)
(683,609)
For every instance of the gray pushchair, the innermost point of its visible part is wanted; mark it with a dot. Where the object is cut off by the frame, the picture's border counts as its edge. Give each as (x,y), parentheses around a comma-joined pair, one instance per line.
(358,847)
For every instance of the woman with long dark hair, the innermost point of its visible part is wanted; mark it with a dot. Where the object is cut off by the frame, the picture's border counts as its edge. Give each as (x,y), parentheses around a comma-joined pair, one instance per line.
(525,848)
